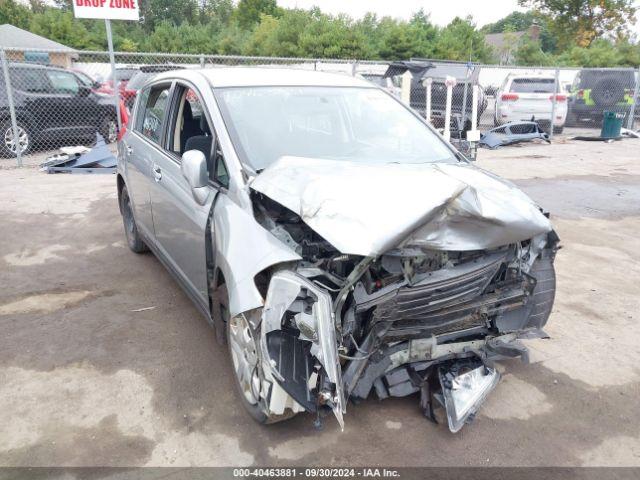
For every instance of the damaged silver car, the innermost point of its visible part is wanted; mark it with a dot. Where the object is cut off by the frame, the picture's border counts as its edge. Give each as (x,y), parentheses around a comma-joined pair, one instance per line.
(339,246)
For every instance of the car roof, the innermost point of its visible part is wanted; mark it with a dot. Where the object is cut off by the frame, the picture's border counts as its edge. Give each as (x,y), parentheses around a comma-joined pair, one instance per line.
(531,75)
(35,66)
(260,76)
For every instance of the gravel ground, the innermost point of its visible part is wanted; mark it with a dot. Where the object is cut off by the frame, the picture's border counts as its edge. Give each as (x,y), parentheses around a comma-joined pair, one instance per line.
(104,361)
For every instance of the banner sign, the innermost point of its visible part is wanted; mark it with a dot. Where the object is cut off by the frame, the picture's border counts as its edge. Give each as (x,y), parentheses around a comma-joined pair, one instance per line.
(107,9)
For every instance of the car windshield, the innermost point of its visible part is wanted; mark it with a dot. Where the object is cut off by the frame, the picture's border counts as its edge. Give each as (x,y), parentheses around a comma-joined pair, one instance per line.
(533,85)
(339,123)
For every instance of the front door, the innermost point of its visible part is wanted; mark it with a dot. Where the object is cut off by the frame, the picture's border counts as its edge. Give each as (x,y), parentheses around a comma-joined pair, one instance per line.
(76,112)
(180,221)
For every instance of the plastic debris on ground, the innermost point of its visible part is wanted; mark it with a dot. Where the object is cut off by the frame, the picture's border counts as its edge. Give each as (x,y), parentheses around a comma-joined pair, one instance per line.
(80,159)
(511,133)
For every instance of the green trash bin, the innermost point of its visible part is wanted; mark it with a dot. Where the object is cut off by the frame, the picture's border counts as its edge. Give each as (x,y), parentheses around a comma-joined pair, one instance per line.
(611,124)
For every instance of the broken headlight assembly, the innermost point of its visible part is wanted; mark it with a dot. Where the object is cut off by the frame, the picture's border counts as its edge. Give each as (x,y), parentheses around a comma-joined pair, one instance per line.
(299,343)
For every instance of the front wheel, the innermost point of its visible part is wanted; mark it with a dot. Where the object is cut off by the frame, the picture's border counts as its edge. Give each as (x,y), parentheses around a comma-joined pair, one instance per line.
(24,141)
(242,341)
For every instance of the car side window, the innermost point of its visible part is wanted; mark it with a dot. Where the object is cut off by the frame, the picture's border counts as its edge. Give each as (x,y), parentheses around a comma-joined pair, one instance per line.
(189,127)
(221,174)
(63,82)
(151,112)
(29,80)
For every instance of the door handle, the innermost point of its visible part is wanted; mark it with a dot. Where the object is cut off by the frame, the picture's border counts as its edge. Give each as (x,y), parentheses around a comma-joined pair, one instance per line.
(157,173)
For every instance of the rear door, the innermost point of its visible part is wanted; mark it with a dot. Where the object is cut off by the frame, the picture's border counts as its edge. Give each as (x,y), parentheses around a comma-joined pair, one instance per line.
(141,146)
(180,221)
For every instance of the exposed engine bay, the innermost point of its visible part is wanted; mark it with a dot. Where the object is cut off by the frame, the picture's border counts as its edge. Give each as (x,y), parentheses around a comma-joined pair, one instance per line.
(338,326)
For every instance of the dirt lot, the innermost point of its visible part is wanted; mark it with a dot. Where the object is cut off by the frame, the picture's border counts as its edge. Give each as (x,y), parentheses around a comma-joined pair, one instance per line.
(104,361)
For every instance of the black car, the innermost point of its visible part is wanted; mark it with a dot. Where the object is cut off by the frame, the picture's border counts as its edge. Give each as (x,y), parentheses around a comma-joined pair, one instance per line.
(52,105)
(595,91)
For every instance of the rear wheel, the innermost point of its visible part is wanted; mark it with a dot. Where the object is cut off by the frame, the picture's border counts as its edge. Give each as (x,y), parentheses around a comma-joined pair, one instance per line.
(135,242)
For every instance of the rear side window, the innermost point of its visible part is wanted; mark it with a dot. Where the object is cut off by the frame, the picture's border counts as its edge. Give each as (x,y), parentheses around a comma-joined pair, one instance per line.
(29,80)
(63,82)
(532,85)
(151,112)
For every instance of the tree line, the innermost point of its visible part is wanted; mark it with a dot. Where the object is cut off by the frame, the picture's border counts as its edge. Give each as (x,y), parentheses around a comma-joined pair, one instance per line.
(576,33)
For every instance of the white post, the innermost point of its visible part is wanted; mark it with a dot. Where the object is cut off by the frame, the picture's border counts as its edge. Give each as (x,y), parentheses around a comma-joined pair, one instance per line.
(427,111)
(474,108)
(450,83)
(405,94)
(116,96)
(554,101)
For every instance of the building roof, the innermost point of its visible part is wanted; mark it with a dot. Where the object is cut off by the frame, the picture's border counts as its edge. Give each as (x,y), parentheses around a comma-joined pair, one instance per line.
(14,37)
(498,40)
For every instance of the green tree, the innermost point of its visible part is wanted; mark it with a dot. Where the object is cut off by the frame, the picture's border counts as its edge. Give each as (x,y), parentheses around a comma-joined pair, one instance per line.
(175,12)
(127,45)
(14,13)
(333,37)
(581,22)
(461,41)
(529,52)
(425,33)
(216,10)
(60,26)
(396,40)
(601,53)
(278,37)
(248,12)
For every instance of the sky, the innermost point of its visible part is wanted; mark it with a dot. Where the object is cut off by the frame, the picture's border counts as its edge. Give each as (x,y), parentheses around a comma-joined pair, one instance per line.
(441,11)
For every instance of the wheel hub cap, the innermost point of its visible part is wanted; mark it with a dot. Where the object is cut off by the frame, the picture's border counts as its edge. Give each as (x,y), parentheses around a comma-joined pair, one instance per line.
(244,357)
(23,139)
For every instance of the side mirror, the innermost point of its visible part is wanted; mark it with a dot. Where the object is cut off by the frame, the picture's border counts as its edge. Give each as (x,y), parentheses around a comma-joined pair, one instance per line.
(83,91)
(194,170)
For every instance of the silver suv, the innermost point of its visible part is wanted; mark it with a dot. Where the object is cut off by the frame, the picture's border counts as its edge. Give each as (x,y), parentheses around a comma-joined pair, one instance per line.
(338,245)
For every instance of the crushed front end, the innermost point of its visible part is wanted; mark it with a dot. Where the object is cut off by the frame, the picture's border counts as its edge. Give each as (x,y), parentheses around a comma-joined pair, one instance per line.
(337,326)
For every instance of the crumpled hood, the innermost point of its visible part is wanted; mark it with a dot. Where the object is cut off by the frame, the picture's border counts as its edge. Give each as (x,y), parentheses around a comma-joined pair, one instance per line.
(368,209)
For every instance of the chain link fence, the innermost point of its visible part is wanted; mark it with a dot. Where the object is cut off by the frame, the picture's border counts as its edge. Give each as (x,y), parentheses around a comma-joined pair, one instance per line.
(50,99)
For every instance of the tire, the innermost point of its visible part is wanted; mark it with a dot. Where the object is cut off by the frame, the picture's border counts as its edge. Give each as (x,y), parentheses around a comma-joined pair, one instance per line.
(135,242)
(607,92)
(109,129)
(544,292)
(253,408)
(7,149)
